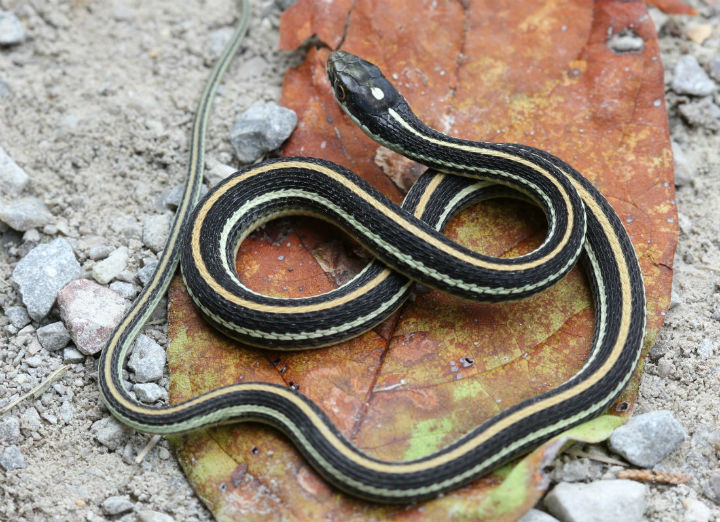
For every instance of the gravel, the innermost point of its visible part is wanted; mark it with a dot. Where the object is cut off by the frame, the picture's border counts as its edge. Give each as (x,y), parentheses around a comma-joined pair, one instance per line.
(110,433)
(690,78)
(260,129)
(147,360)
(53,336)
(13,179)
(110,267)
(12,31)
(647,439)
(12,458)
(601,501)
(117,505)
(25,213)
(155,231)
(17,315)
(150,392)
(10,429)
(91,312)
(44,271)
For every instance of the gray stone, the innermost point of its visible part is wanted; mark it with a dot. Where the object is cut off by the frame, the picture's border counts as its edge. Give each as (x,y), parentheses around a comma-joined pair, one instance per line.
(30,419)
(260,129)
(110,433)
(106,270)
(149,392)
(714,67)
(690,78)
(13,179)
(91,312)
(17,315)
(172,197)
(25,213)
(575,470)
(218,172)
(626,41)
(146,272)
(9,429)
(218,40)
(96,252)
(601,501)
(72,355)
(701,113)
(535,515)
(33,362)
(713,487)
(684,170)
(647,439)
(127,226)
(53,336)
(147,360)
(12,31)
(123,289)
(155,231)
(11,459)
(42,272)
(153,516)
(116,505)
(66,411)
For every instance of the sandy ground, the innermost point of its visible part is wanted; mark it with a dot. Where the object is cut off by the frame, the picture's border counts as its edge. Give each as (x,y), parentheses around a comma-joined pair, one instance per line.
(102,97)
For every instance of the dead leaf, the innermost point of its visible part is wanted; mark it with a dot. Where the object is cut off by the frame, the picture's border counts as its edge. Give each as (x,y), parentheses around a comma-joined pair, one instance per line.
(540,74)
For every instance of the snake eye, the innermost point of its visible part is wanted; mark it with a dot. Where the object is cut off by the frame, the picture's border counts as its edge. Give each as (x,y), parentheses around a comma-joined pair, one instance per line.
(340,92)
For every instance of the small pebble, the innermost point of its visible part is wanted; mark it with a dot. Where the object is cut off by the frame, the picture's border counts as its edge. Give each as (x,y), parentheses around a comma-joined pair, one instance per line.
(702,113)
(699,33)
(600,501)
(30,419)
(109,432)
(155,231)
(714,67)
(260,129)
(218,172)
(25,213)
(17,315)
(116,505)
(146,272)
(42,272)
(713,487)
(107,269)
(153,516)
(706,348)
(11,458)
(72,355)
(91,312)
(684,171)
(96,252)
(12,31)
(33,362)
(626,41)
(53,336)
(123,289)
(575,470)
(690,78)
(10,429)
(696,511)
(149,392)
(218,39)
(535,515)
(147,360)
(66,411)
(647,439)
(13,179)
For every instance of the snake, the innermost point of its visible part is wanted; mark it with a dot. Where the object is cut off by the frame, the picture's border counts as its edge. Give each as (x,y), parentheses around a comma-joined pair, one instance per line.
(408,246)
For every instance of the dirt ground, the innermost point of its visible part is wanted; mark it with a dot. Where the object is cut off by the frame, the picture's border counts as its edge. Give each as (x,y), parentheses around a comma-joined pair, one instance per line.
(100,101)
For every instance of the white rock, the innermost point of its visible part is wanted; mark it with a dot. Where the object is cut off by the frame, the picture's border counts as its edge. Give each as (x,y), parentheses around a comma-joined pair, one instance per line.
(696,511)
(25,213)
(149,392)
(11,458)
(260,129)
(12,31)
(116,505)
(13,179)
(690,78)
(601,501)
(155,231)
(106,270)
(153,516)
(91,312)
(109,432)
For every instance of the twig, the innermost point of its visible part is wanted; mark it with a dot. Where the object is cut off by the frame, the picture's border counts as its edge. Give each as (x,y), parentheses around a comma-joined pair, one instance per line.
(657,477)
(37,390)
(150,445)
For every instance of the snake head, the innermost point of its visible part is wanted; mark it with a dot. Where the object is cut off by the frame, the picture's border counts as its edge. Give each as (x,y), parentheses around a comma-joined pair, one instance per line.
(361,89)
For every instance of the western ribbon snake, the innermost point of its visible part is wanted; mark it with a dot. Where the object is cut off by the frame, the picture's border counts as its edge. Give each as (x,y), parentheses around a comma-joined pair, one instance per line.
(406,241)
